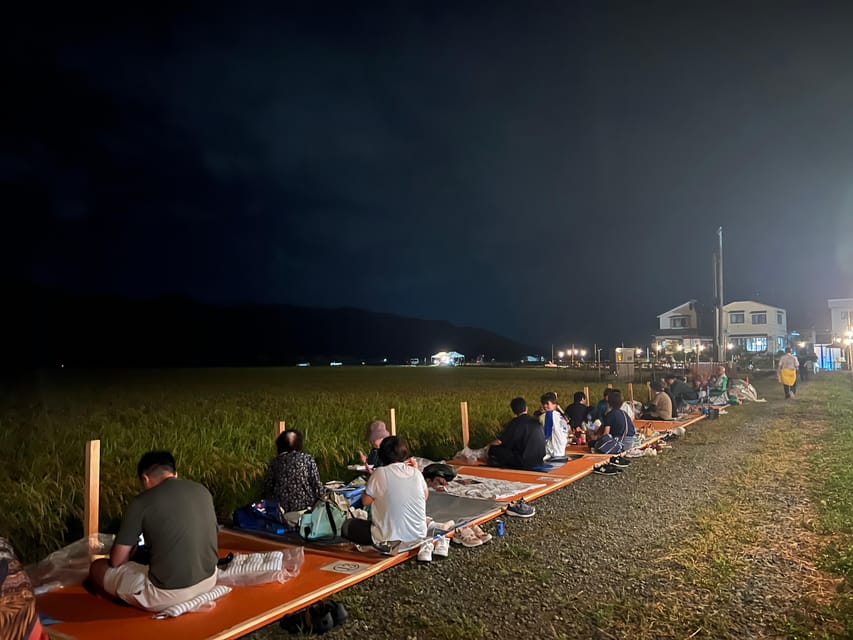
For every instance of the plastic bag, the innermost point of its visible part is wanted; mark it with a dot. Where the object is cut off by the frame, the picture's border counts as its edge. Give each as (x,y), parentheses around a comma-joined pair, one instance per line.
(247,569)
(70,564)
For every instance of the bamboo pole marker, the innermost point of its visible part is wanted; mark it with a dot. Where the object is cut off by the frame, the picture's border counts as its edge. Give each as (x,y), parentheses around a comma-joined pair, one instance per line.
(463,406)
(631,393)
(649,389)
(586,395)
(280,428)
(393,421)
(609,385)
(91,496)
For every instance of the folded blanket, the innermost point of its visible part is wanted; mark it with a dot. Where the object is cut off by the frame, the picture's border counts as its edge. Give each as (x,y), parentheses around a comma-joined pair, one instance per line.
(202,602)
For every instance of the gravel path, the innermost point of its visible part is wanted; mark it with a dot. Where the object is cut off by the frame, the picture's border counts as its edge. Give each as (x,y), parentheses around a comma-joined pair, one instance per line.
(597,540)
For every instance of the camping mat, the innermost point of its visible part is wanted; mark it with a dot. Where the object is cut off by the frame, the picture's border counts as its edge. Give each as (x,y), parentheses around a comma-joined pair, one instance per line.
(442,507)
(85,616)
(480,488)
(545,482)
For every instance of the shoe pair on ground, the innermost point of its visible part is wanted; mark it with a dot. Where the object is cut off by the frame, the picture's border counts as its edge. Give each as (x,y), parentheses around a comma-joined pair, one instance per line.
(439,548)
(316,619)
(520,509)
(472,536)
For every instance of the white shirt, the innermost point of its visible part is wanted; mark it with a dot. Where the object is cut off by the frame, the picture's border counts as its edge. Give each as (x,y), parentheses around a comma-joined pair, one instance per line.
(555,445)
(789,361)
(399,508)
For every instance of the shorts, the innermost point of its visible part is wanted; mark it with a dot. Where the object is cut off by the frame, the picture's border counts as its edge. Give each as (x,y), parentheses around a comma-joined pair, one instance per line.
(129,582)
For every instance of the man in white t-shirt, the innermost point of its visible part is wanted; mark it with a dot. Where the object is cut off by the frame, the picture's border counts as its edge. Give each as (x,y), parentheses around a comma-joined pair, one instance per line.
(396,493)
(556,427)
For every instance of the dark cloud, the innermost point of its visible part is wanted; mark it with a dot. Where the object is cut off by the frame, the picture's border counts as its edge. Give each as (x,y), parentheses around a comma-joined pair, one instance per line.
(553,172)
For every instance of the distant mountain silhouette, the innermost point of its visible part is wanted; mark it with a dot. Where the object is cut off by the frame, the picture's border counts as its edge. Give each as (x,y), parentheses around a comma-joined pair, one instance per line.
(53,328)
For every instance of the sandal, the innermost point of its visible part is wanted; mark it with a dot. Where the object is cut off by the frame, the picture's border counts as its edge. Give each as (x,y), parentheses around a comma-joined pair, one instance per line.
(482,535)
(466,537)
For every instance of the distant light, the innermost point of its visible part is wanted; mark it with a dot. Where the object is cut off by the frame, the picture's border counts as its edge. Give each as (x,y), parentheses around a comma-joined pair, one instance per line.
(560,354)
(730,346)
(801,344)
(639,352)
(384,359)
(583,353)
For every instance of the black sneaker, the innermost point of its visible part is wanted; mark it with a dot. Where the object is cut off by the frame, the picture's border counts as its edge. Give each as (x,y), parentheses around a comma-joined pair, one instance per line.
(607,470)
(619,461)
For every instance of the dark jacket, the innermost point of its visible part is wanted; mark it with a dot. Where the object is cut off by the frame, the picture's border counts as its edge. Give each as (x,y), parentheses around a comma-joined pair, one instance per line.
(576,414)
(522,444)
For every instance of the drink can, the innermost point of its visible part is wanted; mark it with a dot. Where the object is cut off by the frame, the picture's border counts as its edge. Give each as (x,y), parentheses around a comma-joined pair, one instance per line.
(501,528)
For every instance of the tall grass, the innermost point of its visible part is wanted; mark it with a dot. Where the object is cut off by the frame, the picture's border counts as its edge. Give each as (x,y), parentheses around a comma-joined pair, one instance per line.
(219,423)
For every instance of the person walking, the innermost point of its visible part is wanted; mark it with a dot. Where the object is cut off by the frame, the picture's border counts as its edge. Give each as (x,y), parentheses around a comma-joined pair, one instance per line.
(786,374)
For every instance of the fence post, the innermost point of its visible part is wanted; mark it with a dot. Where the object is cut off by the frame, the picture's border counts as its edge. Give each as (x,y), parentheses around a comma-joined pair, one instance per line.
(91,504)
(463,406)
(393,421)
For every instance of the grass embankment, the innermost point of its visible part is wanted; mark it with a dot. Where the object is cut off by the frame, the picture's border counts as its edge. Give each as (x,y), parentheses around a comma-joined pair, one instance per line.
(774,549)
(220,423)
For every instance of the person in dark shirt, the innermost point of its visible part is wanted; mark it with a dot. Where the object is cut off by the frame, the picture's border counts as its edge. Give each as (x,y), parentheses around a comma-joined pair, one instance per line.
(177,520)
(577,412)
(522,443)
(680,392)
(292,478)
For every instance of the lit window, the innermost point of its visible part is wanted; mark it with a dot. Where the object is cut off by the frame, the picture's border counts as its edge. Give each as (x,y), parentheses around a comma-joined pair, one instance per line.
(756,345)
(736,317)
(759,317)
(678,322)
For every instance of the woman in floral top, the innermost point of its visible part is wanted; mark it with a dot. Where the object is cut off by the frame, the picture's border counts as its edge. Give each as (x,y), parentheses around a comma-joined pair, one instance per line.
(292,478)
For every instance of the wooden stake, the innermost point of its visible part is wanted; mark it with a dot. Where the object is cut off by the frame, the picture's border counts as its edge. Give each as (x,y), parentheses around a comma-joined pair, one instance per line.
(649,389)
(609,385)
(586,395)
(280,428)
(393,421)
(464,407)
(91,504)
(631,393)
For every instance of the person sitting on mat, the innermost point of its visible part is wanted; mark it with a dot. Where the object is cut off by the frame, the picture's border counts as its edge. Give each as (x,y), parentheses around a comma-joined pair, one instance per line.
(680,392)
(618,423)
(661,407)
(601,408)
(577,412)
(397,494)
(521,444)
(375,434)
(292,478)
(555,425)
(178,524)
(718,391)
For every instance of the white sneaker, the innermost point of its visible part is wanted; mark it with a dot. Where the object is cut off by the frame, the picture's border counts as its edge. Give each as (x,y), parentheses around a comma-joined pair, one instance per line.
(425,554)
(442,526)
(442,547)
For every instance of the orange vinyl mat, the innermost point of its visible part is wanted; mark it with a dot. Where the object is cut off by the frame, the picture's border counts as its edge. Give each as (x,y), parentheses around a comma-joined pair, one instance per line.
(85,616)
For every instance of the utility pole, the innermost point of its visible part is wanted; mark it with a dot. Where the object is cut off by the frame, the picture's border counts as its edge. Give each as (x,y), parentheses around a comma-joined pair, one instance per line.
(721,347)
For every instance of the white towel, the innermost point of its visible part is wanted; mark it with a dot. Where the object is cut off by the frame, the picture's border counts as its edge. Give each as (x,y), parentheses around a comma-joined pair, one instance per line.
(202,602)
(245,563)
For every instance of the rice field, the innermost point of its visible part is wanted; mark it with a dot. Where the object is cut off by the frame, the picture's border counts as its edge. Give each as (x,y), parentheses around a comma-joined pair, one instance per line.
(220,424)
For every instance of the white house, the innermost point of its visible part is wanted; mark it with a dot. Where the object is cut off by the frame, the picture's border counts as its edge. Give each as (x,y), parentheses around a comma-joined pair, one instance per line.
(841,314)
(687,327)
(754,326)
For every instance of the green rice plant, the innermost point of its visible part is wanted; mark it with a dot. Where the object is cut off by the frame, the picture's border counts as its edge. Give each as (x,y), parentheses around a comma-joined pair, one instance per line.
(220,424)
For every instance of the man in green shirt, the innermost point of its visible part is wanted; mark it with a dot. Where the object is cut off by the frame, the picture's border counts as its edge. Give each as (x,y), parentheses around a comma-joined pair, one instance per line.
(178,525)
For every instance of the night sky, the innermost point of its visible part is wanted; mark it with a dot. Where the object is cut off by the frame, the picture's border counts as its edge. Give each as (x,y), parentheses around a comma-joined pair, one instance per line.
(555,172)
